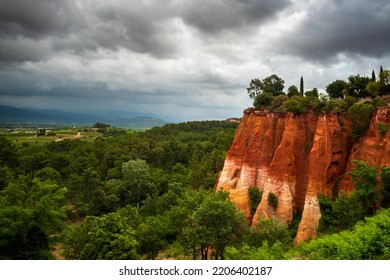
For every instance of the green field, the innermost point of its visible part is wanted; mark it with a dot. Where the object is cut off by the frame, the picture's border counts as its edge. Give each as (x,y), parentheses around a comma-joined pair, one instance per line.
(30,136)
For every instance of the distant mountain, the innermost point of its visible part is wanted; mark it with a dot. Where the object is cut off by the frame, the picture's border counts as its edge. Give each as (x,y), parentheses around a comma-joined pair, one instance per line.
(9,115)
(137,122)
(42,116)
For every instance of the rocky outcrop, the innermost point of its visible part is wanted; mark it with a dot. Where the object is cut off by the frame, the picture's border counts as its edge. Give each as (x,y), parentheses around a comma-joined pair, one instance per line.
(296,158)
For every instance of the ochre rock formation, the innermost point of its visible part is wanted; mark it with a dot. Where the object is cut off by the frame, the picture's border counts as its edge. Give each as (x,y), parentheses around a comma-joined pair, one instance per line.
(297,157)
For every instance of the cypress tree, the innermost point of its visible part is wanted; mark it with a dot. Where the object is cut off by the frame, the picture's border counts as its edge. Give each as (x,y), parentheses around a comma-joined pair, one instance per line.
(301,86)
(373,78)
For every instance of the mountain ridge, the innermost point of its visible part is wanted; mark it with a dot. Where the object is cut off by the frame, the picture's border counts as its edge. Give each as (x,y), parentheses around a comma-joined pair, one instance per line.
(10,115)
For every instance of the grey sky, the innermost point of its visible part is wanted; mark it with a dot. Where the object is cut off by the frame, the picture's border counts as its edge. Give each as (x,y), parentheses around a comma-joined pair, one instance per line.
(180,59)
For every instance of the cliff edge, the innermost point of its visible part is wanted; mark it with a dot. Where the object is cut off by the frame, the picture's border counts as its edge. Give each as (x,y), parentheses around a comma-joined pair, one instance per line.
(297,157)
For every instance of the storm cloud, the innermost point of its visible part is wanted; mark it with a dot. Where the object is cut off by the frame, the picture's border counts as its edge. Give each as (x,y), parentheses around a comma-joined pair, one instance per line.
(337,26)
(184,59)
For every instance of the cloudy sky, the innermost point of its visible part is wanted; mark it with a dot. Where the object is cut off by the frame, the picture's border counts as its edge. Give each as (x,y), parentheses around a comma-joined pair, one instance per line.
(180,59)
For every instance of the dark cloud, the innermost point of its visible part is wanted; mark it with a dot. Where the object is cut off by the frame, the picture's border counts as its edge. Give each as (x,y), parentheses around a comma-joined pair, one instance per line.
(38,18)
(218,15)
(336,26)
(139,26)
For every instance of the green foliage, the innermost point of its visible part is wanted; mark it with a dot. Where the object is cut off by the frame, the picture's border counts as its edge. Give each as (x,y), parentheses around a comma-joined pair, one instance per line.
(296,105)
(109,237)
(255,88)
(205,220)
(254,195)
(357,86)
(336,88)
(268,230)
(264,252)
(378,102)
(383,128)
(368,240)
(301,86)
(385,180)
(350,100)
(278,103)
(30,214)
(360,116)
(312,93)
(335,106)
(263,100)
(101,125)
(339,214)
(366,184)
(151,236)
(384,82)
(272,85)
(272,200)
(292,90)
(373,88)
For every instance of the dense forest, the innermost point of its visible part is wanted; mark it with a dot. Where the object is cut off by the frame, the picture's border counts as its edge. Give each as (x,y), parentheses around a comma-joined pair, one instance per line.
(123,183)
(148,195)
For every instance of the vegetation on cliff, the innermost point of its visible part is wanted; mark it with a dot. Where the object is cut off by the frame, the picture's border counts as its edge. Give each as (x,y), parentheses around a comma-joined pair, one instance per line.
(340,95)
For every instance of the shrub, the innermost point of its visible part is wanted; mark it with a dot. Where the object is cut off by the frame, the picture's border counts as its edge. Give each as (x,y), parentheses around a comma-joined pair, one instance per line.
(263,100)
(360,116)
(255,196)
(383,128)
(295,105)
(268,230)
(272,200)
(278,102)
(350,100)
(335,106)
(368,240)
(378,102)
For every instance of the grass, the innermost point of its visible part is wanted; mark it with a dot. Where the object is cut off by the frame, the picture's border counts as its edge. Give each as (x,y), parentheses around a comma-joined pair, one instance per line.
(30,137)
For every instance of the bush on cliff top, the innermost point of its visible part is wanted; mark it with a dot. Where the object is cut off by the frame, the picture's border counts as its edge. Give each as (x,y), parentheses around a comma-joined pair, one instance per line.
(360,116)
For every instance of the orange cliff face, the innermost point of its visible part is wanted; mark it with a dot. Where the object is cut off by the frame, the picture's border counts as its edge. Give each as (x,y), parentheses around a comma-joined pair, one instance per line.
(296,158)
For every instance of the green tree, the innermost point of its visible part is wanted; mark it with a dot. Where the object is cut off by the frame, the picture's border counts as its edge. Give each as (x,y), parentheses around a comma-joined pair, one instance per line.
(357,86)
(373,89)
(255,88)
(292,90)
(360,116)
(384,81)
(109,237)
(273,85)
(8,153)
(30,214)
(270,231)
(301,86)
(385,180)
(263,100)
(151,236)
(206,220)
(366,184)
(312,93)
(336,88)
(368,240)
(135,185)
(219,224)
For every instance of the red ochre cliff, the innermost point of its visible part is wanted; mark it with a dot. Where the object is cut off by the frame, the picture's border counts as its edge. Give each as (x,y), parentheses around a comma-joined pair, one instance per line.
(297,157)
